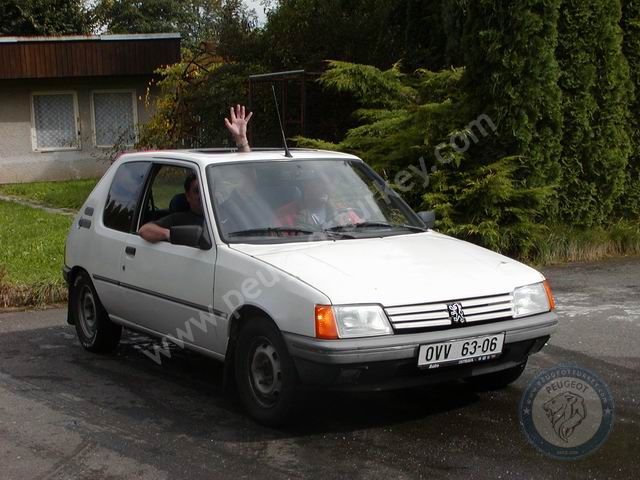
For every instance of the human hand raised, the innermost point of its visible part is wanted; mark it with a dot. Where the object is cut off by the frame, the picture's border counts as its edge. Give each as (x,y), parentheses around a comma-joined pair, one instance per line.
(237,125)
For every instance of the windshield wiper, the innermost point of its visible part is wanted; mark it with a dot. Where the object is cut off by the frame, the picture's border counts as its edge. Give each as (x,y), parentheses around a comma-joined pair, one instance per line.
(268,230)
(295,231)
(354,226)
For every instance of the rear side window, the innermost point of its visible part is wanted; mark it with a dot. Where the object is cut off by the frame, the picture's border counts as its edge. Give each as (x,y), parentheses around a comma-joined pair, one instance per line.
(124,194)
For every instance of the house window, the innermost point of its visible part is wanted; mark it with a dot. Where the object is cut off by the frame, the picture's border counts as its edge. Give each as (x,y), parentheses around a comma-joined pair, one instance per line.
(114,118)
(55,121)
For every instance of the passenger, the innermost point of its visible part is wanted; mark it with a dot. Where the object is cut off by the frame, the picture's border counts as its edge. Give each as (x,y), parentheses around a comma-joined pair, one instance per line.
(315,208)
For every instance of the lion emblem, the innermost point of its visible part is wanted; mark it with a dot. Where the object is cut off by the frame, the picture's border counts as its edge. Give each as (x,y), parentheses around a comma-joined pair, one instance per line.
(565,412)
(456,314)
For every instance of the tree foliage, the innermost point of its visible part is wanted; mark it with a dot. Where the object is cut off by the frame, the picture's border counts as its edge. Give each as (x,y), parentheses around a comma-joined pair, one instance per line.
(520,114)
(195,20)
(407,122)
(44,17)
(629,203)
(305,33)
(433,33)
(595,86)
(511,76)
(416,33)
(193,102)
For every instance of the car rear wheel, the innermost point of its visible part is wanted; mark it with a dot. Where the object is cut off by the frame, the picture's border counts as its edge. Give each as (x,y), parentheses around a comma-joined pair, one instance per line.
(95,331)
(265,374)
(498,380)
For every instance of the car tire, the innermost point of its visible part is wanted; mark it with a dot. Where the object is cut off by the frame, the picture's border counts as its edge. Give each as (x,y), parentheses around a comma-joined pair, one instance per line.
(265,375)
(95,331)
(498,380)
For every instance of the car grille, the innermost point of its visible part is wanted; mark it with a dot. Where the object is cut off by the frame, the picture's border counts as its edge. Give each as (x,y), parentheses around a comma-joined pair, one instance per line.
(433,316)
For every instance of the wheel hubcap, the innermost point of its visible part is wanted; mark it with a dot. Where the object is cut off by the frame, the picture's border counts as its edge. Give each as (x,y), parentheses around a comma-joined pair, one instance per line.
(266,373)
(87,313)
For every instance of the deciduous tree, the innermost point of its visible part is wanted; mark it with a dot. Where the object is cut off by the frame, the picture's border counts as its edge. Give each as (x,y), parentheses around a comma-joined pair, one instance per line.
(44,17)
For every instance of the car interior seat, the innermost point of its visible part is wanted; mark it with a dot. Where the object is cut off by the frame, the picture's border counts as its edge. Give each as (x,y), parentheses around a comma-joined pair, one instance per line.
(179,203)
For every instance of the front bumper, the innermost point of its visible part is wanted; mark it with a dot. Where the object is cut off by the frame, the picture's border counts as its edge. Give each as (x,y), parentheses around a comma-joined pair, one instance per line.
(391,361)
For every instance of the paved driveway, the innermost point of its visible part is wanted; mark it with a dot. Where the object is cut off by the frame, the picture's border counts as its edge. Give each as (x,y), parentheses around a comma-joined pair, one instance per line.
(65,413)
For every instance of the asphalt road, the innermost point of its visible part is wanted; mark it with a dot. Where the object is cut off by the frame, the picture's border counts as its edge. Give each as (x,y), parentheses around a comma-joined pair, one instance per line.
(66,413)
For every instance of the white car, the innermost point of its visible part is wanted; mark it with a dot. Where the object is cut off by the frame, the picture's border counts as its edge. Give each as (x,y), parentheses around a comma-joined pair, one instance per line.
(306,271)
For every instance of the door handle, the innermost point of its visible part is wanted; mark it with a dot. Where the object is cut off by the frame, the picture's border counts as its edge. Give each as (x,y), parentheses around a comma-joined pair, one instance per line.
(130,251)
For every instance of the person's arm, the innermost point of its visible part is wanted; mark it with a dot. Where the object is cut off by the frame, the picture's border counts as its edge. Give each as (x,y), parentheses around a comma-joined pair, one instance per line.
(154,233)
(237,126)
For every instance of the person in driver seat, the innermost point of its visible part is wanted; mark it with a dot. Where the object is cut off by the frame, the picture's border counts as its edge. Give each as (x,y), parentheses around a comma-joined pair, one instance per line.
(159,230)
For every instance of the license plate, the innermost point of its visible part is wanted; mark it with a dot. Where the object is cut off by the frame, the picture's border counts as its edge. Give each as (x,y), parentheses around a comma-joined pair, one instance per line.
(456,352)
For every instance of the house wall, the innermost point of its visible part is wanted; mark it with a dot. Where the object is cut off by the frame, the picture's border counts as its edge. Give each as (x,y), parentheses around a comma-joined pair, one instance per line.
(18,160)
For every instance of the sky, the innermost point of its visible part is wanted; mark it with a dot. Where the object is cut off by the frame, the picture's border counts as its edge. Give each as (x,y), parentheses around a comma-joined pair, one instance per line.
(255,4)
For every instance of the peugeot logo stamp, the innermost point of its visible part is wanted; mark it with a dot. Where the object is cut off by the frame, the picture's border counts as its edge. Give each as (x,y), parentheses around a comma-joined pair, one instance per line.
(567,412)
(456,314)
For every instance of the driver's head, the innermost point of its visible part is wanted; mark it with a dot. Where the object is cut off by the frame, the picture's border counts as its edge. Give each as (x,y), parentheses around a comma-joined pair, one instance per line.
(192,192)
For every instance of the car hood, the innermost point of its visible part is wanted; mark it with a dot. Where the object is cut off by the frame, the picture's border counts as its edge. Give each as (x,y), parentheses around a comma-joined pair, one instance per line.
(397,270)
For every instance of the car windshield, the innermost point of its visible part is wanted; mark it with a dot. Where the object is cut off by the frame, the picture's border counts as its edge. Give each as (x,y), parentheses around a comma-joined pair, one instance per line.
(305,200)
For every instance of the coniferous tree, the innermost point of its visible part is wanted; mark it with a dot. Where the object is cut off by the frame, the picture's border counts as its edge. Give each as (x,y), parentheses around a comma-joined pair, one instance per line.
(630,201)
(511,76)
(408,123)
(595,86)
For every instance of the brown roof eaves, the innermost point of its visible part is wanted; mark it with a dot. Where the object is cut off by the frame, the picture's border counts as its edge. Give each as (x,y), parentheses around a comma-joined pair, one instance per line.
(87,56)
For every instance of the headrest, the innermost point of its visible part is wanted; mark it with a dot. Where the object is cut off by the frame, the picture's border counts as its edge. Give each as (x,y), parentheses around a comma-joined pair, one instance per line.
(179,203)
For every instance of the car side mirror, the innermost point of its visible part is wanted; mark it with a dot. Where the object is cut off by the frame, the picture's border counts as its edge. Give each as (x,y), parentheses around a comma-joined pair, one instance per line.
(190,236)
(428,218)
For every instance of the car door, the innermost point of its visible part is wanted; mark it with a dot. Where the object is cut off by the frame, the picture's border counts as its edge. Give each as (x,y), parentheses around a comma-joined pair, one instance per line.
(111,228)
(169,288)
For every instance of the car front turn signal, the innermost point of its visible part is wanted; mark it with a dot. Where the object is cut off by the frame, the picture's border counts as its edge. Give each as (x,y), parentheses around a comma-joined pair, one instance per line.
(550,297)
(326,327)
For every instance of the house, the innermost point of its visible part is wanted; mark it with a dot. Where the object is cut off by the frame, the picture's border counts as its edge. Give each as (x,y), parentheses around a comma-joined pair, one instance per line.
(66,103)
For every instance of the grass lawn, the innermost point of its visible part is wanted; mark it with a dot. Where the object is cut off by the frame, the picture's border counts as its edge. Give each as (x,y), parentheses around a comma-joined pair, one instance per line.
(31,256)
(66,194)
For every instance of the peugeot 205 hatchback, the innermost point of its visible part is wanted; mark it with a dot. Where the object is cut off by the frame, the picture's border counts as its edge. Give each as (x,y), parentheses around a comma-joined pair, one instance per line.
(302,271)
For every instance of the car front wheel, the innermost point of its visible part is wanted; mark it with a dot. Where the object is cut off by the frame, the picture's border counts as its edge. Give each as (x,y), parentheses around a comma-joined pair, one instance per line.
(265,374)
(95,331)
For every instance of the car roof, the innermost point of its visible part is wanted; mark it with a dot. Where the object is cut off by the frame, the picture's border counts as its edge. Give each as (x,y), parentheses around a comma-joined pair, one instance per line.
(205,157)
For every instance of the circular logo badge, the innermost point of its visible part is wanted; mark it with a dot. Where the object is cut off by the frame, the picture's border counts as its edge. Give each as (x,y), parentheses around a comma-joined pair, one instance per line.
(567,412)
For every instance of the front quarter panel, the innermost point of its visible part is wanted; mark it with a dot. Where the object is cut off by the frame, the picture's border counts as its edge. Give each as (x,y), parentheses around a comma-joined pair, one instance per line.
(244,280)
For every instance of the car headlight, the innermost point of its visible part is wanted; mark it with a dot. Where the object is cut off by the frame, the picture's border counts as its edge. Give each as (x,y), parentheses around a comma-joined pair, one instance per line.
(532,299)
(351,321)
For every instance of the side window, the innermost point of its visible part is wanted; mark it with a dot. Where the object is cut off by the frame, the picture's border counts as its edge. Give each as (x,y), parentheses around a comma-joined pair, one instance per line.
(166,195)
(123,196)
